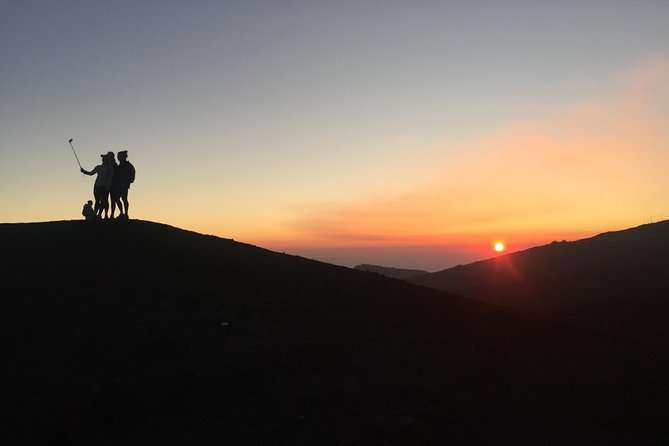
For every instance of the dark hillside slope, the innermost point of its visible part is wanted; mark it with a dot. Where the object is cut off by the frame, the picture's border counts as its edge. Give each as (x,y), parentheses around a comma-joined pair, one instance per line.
(617,282)
(140,333)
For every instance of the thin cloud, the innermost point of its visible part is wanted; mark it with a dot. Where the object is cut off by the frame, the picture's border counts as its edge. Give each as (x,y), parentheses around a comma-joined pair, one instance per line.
(595,165)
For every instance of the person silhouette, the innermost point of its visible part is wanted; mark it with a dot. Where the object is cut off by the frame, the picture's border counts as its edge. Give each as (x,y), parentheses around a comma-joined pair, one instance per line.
(103,181)
(124,175)
(88,212)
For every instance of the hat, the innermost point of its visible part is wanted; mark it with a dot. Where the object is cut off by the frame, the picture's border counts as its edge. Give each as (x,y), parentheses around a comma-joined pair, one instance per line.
(123,152)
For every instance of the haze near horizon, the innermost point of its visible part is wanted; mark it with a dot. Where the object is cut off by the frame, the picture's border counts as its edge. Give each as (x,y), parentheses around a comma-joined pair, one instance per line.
(414,135)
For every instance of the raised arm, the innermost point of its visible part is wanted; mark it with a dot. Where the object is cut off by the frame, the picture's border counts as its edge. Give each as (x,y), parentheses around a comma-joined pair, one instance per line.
(92,172)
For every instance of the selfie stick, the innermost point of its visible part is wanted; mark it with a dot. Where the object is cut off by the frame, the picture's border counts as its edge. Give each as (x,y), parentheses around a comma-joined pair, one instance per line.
(75,153)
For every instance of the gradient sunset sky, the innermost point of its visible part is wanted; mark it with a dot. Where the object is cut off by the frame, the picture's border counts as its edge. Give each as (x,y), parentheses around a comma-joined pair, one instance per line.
(405,133)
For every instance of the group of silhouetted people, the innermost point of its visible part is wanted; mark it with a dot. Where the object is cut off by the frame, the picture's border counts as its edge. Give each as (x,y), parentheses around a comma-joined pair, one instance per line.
(113,181)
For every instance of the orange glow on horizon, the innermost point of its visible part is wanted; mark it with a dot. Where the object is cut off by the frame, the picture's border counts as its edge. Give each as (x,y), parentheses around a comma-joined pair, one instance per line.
(558,176)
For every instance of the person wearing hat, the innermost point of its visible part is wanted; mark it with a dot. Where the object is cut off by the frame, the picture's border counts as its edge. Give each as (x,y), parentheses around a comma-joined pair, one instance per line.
(103,182)
(124,175)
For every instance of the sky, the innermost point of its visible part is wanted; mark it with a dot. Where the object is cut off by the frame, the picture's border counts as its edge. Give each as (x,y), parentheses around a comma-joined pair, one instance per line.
(412,134)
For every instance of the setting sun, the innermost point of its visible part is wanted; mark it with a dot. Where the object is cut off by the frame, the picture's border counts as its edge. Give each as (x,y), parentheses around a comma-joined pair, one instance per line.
(499,247)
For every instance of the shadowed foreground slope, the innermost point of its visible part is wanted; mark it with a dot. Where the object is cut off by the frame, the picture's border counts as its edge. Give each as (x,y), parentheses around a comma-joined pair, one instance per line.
(137,332)
(617,282)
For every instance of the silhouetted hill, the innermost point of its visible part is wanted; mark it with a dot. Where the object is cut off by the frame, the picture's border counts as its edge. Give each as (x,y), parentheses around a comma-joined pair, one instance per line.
(140,333)
(617,282)
(395,273)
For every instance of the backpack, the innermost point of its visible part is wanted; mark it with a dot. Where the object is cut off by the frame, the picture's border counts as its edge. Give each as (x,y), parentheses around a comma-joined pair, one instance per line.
(131,173)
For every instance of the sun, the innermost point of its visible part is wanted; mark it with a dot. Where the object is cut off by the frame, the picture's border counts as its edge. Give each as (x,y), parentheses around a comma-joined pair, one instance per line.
(499,247)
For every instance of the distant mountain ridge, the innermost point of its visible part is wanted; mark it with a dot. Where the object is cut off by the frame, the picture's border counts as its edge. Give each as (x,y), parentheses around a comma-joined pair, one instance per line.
(395,273)
(616,282)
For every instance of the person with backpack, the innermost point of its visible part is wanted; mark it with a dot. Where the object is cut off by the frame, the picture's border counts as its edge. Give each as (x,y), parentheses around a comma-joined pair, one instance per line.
(124,176)
(103,182)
